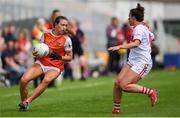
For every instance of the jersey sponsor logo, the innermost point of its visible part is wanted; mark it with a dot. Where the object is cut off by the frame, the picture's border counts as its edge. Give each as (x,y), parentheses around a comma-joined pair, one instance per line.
(58,43)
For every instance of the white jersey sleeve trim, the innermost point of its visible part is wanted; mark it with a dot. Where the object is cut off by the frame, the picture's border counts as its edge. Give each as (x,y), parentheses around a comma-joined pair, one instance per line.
(68,44)
(137,37)
(137,33)
(152,35)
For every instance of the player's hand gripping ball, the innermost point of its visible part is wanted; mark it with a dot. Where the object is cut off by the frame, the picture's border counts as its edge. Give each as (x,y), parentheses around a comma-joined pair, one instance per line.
(41,50)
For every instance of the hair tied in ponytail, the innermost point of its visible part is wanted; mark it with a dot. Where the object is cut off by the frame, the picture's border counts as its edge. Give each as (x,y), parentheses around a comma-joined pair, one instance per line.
(138,5)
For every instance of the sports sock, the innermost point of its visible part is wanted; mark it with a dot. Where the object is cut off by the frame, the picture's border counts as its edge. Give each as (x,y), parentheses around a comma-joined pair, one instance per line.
(147,91)
(116,106)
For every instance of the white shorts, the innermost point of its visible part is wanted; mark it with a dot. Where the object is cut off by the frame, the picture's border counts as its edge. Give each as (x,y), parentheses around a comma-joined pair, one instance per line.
(47,68)
(140,68)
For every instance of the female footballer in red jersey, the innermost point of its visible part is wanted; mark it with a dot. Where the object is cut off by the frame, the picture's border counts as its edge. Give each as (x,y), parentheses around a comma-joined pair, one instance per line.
(52,65)
(139,61)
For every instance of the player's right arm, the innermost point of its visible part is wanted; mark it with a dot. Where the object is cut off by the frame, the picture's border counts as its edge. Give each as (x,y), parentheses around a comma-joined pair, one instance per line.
(133,44)
(136,41)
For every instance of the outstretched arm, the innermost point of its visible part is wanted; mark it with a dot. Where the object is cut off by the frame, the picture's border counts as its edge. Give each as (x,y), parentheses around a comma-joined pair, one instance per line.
(133,44)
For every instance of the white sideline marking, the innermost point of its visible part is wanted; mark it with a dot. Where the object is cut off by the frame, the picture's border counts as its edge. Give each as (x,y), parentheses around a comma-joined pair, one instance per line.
(83,86)
(61,89)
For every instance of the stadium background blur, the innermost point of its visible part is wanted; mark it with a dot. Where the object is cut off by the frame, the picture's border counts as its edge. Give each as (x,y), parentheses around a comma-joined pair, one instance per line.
(93,13)
(94,16)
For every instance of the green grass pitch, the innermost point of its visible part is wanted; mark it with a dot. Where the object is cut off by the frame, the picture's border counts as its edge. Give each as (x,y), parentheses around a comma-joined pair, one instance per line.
(94,98)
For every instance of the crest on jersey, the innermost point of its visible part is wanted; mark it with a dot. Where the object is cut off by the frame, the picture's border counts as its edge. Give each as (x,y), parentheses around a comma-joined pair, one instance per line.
(58,43)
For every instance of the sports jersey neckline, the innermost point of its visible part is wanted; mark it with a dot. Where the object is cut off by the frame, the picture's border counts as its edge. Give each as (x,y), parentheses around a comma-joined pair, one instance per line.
(141,23)
(53,34)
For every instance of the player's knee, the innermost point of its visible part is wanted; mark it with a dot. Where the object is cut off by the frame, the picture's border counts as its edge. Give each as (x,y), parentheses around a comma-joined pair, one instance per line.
(46,81)
(24,80)
(116,83)
(123,86)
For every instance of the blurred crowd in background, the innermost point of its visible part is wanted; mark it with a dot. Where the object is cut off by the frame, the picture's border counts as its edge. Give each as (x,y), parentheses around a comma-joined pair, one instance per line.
(16,47)
(95,28)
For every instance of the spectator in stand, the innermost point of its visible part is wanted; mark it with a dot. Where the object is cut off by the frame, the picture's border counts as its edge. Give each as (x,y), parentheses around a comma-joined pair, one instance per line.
(80,36)
(79,33)
(10,34)
(115,37)
(3,73)
(38,30)
(2,43)
(127,30)
(10,64)
(24,47)
(77,52)
(54,15)
(154,53)
(2,47)
(4,31)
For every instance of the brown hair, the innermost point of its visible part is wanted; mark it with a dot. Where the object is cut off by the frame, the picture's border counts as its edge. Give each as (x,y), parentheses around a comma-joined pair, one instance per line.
(68,31)
(138,13)
(58,19)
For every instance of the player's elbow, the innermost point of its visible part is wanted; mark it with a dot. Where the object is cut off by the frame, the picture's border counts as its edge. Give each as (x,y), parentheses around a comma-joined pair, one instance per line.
(68,58)
(136,43)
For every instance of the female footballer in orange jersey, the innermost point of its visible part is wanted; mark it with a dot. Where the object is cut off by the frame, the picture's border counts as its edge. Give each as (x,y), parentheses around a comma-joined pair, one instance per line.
(52,65)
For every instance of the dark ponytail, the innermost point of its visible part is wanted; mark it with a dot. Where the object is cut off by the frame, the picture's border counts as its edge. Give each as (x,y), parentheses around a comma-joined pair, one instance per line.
(138,12)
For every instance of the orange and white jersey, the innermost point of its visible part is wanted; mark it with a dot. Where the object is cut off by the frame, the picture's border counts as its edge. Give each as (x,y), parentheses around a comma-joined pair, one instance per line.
(59,44)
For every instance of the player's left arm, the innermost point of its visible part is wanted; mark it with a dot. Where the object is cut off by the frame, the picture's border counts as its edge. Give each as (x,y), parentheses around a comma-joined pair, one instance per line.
(68,56)
(68,50)
(134,44)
